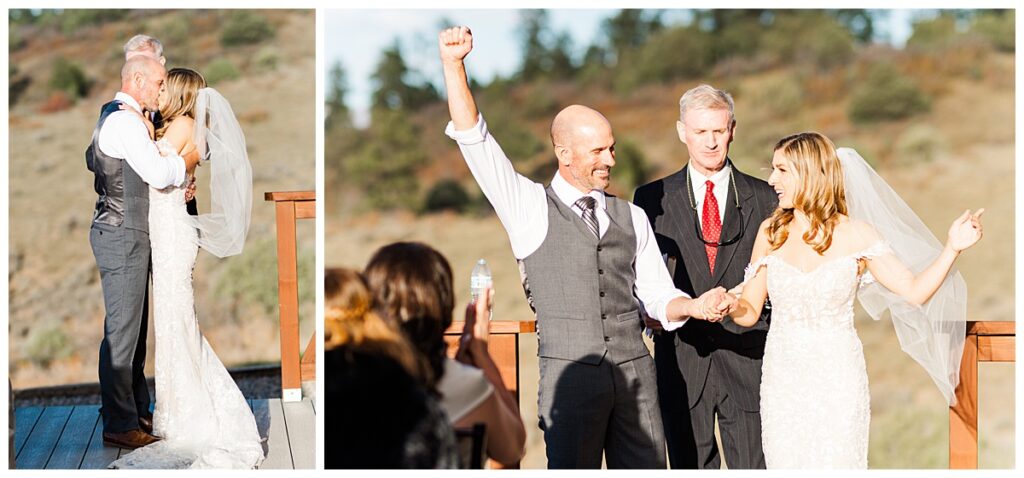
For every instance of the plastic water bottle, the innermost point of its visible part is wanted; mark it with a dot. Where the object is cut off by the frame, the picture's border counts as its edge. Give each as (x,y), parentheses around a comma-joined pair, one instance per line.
(479,280)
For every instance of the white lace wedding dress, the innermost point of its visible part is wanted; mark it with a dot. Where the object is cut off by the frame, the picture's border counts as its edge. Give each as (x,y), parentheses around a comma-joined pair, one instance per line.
(204,420)
(815,405)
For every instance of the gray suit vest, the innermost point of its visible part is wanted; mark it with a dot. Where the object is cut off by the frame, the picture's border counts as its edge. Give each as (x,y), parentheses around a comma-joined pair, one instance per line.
(582,287)
(123,196)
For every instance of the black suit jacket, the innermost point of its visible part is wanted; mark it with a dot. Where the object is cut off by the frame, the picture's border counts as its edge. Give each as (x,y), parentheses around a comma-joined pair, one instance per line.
(735,351)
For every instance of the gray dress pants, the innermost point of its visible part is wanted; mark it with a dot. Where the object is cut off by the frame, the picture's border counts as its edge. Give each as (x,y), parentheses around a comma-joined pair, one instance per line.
(122,256)
(611,408)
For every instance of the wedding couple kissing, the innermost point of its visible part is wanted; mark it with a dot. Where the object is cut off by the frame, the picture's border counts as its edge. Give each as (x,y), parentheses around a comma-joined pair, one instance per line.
(144,150)
(703,252)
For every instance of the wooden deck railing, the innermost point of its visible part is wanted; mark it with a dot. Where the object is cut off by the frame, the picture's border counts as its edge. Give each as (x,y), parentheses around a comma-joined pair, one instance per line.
(986,342)
(291,206)
(503,346)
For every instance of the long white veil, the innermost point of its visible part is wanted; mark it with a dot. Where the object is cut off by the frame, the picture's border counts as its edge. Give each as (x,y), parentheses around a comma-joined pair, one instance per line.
(933,334)
(219,139)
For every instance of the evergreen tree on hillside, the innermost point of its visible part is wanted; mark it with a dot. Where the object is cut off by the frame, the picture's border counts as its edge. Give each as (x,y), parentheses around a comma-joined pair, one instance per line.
(545,53)
(394,85)
(337,111)
(630,29)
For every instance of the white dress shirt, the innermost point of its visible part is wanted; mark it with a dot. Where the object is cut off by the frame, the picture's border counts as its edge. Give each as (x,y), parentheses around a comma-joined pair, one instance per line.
(721,181)
(522,207)
(125,136)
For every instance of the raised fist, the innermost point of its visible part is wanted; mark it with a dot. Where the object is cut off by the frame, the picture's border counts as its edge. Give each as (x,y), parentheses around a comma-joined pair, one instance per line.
(455,43)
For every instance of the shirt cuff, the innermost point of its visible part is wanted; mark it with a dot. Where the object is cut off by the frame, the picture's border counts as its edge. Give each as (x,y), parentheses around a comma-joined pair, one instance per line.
(663,316)
(474,135)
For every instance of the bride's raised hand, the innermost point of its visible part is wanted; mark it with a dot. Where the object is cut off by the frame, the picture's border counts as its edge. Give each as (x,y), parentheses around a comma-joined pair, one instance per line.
(965,231)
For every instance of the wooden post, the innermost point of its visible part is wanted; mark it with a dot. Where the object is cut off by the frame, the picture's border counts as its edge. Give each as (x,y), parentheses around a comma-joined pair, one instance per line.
(290,206)
(985,342)
(503,346)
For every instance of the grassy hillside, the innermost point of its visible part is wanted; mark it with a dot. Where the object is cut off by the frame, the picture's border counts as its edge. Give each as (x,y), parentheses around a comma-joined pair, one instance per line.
(56,308)
(957,155)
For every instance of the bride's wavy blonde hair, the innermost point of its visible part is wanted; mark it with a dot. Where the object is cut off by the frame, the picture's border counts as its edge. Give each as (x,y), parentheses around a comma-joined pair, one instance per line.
(821,195)
(182,89)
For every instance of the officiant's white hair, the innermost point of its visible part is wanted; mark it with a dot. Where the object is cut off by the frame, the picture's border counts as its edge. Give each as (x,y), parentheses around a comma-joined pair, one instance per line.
(142,43)
(706,97)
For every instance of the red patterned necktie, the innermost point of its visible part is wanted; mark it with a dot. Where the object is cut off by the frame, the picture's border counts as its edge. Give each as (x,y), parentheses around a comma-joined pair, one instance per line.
(711,224)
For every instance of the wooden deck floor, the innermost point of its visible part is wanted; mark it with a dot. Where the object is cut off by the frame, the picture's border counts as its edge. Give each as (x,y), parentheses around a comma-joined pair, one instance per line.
(70,437)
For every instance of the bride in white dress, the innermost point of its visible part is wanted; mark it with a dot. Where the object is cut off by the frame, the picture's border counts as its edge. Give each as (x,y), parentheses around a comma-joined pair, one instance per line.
(838,229)
(202,417)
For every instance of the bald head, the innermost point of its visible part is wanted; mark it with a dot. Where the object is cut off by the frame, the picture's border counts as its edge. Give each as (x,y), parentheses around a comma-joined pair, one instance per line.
(585,147)
(139,65)
(142,78)
(575,120)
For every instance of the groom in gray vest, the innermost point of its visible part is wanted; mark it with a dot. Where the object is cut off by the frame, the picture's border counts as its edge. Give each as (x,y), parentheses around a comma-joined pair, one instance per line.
(589,262)
(705,218)
(125,162)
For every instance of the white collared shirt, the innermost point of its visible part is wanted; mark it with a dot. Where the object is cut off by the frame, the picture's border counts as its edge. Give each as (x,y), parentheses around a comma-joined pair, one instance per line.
(699,182)
(125,136)
(522,207)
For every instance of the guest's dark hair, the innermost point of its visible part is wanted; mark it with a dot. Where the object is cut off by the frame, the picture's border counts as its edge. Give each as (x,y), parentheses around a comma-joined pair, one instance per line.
(412,285)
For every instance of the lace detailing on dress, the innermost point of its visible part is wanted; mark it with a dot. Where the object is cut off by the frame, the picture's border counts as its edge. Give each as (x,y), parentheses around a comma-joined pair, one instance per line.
(203,418)
(815,406)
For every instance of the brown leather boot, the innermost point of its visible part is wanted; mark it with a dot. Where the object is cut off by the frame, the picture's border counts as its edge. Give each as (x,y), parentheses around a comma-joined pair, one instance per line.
(130,439)
(146,424)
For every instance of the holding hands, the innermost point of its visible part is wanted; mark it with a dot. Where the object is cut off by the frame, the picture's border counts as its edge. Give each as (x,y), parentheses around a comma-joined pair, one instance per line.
(715,304)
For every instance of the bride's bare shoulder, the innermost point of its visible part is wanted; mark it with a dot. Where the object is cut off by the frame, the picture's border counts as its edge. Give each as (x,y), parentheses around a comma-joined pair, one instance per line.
(181,123)
(179,131)
(854,234)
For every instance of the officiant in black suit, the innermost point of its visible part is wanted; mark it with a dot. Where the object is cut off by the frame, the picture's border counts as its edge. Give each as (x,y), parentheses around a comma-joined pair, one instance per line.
(705,218)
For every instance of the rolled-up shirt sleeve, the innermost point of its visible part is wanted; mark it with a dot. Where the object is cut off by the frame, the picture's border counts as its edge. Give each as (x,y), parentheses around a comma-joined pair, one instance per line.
(653,285)
(519,203)
(124,136)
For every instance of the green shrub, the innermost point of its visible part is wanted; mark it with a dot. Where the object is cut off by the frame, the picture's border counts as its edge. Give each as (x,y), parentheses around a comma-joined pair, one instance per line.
(15,41)
(886,95)
(933,33)
(245,28)
(220,70)
(783,96)
(69,78)
(46,344)
(630,168)
(385,163)
(250,278)
(447,194)
(832,45)
(266,59)
(71,20)
(176,35)
(517,141)
(998,28)
(674,53)
(919,143)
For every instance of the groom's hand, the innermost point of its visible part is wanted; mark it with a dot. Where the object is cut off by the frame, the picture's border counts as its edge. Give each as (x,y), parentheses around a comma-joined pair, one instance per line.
(455,43)
(709,303)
